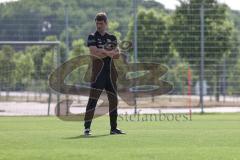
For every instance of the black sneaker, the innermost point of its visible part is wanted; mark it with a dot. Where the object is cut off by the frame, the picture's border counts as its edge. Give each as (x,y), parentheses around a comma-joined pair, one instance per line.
(87,132)
(117,131)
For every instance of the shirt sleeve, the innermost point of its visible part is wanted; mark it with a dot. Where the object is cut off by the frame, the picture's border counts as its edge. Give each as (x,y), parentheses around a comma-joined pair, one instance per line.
(91,41)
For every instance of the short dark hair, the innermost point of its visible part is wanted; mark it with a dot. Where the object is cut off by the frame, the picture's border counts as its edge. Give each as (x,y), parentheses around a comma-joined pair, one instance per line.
(101,16)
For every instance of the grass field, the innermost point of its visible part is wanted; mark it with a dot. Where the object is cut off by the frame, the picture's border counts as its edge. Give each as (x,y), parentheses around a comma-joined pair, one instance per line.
(207,137)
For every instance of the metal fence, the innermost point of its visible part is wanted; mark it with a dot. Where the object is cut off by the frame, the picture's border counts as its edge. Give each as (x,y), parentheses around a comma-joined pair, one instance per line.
(198,42)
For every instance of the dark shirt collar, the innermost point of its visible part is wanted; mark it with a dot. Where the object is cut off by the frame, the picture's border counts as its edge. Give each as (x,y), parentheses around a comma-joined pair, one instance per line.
(97,33)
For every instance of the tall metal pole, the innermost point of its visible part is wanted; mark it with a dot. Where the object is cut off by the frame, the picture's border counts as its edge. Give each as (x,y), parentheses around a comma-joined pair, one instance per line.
(202,59)
(135,6)
(67,44)
(66,31)
(224,78)
(135,31)
(58,64)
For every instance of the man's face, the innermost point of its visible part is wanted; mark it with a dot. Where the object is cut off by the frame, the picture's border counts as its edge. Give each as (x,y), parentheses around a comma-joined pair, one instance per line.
(101,26)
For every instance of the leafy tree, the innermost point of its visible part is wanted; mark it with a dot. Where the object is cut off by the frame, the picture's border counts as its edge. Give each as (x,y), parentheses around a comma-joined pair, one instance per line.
(113,28)
(24,69)
(78,48)
(185,33)
(7,69)
(153,42)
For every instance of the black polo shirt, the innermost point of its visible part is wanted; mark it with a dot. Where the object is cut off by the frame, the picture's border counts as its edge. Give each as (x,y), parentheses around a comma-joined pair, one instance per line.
(98,40)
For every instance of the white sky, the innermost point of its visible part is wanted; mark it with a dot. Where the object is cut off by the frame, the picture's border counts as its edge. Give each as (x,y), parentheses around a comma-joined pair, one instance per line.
(2,1)
(171,4)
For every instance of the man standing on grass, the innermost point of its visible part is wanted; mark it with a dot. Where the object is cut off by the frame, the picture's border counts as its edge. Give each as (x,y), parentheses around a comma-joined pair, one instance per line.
(104,74)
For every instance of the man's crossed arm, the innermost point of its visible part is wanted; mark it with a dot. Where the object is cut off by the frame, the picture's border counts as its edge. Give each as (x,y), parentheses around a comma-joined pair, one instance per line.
(102,53)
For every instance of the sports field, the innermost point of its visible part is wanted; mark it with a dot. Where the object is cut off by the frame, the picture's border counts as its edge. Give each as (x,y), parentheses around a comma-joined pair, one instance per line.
(206,137)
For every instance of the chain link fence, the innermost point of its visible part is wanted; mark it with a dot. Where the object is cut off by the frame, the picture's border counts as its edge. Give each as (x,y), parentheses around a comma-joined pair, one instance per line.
(198,43)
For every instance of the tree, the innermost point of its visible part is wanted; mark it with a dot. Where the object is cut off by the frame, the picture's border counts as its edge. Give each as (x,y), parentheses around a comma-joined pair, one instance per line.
(153,42)
(24,69)
(232,61)
(113,29)
(234,80)
(185,33)
(7,69)
(78,48)
(51,56)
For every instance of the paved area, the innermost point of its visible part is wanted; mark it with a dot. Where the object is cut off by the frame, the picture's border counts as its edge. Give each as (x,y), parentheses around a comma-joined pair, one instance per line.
(32,108)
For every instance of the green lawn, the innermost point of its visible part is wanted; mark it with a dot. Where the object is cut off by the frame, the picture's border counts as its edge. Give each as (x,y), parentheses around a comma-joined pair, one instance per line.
(206,137)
